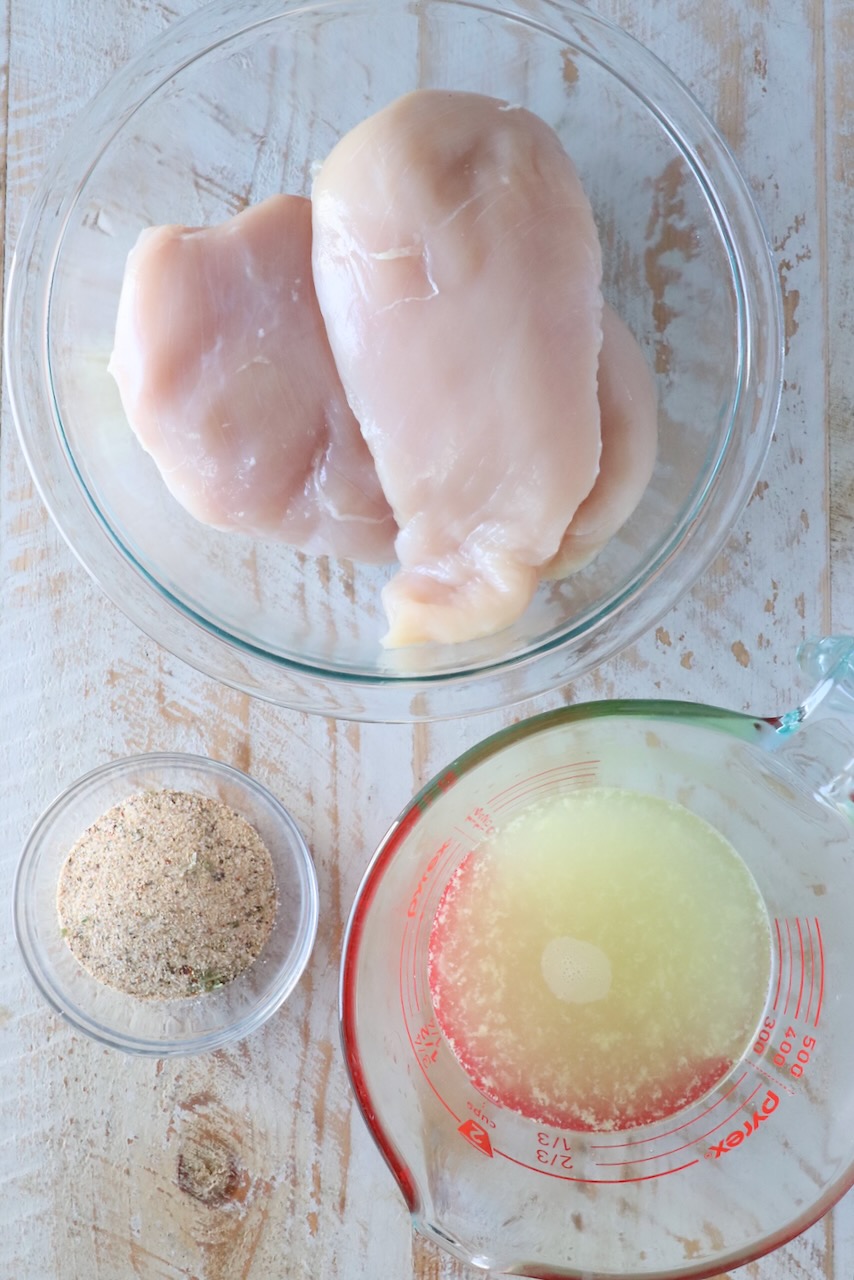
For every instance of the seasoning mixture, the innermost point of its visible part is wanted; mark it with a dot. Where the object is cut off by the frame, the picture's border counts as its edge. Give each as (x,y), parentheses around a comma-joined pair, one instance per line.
(169,894)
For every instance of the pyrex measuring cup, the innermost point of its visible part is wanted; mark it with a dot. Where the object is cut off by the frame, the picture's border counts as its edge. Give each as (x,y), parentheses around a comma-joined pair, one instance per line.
(741,1169)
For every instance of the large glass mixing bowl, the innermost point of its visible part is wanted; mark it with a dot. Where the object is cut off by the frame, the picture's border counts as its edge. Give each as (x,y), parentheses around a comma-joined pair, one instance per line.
(239,101)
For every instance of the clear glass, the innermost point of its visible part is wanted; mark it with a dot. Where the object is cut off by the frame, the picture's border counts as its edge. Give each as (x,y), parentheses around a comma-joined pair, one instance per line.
(239,101)
(163,1028)
(737,1173)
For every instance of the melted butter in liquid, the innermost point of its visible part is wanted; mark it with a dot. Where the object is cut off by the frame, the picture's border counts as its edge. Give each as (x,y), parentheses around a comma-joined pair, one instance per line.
(601,962)
(575,971)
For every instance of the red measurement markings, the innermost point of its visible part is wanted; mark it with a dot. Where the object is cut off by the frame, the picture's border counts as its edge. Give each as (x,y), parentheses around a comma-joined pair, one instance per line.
(775,1080)
(549,788)
(789,955)
(803,969)
(778,1056)
(668,1133)
(812,971)
(599,1182)
(546,1173)
(788,1045)
(426,1042)
(779,962)
(480,821)
(405,971)
(545,773)
(443,853)
(544,779)
(555,1152)
(477,1136)
(408,967)
(546,788)
(424,1071)
(437,867)
(821,972)
(403,987)
(415,983)
(660,1155)
(481,1115)
(450,1110)
(764,1109)
(417,1051)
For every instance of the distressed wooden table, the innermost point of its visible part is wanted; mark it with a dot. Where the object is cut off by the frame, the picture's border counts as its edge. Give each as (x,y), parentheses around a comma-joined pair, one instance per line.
(99,1151)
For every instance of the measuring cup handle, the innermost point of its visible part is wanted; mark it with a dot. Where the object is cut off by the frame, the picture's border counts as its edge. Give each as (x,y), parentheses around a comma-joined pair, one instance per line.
(829,661)
(828,657)
(823,756)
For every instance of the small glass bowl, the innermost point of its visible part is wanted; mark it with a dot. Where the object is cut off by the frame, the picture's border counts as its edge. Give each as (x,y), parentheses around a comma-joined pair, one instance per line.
(162,1028)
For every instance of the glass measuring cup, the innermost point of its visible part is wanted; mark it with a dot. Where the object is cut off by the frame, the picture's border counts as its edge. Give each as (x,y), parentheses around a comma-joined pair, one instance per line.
(745,1167)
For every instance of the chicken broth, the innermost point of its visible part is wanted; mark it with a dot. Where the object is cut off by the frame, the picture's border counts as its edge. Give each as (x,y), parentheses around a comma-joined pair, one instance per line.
(601,962)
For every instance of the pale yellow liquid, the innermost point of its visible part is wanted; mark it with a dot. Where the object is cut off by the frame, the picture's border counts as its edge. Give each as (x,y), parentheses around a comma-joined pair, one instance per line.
(601,962)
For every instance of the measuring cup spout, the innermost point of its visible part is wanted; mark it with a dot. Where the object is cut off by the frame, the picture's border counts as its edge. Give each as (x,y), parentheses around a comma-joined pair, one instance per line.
(823,751)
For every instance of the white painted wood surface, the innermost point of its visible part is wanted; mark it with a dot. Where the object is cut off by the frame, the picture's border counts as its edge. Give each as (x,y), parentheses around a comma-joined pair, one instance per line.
(91,1141)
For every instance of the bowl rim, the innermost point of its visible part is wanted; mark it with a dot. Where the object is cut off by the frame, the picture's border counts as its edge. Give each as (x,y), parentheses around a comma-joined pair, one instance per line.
(559,654)
(278,989)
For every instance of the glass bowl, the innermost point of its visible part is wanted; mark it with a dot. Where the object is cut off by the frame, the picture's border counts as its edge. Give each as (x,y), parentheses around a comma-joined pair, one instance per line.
(239,101)
(161,1028)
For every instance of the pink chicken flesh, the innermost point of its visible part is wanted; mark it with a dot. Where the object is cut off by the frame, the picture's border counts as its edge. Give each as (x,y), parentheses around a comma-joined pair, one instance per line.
(226,376)
(629,407)
(457,266)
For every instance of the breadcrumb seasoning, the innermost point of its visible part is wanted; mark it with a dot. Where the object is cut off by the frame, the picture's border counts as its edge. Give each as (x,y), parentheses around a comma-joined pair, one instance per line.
(169,894)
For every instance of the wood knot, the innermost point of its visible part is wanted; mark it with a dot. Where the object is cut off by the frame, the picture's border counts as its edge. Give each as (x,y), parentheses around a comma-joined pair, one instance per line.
(208,1170)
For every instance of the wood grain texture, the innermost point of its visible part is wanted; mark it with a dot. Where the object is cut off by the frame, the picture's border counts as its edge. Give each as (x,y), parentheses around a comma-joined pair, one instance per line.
(840,208)
(253,1163)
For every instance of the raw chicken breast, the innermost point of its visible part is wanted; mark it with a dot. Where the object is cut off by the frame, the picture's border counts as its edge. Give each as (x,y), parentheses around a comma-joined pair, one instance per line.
(628,405)
(457,266)
(226,376)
